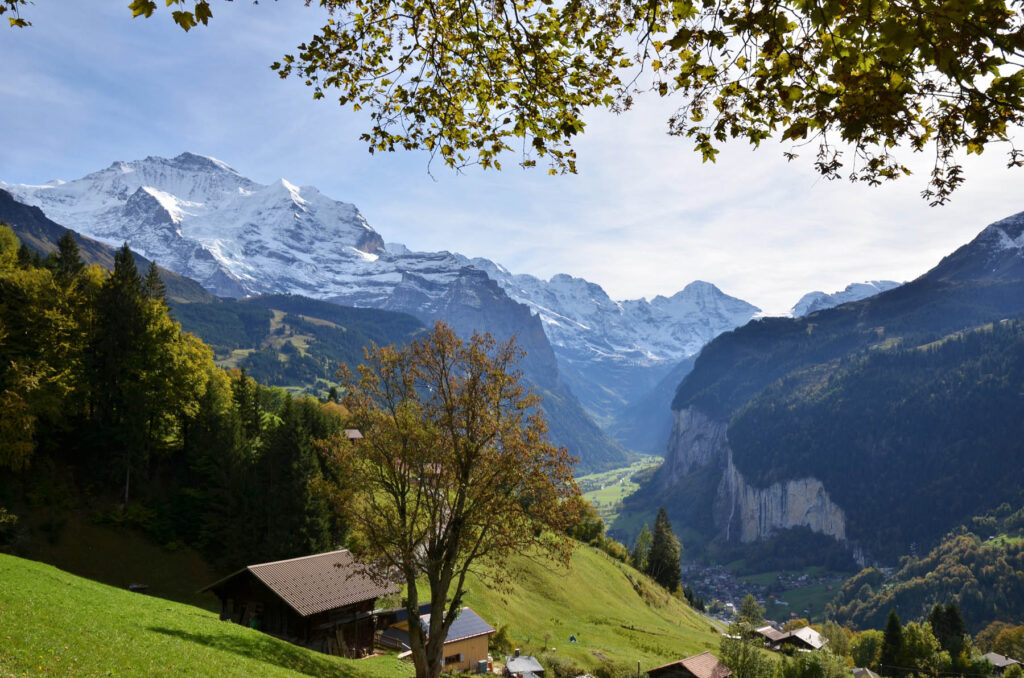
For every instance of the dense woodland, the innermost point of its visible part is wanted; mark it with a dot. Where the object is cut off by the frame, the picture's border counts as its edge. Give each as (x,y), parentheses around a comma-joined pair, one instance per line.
(937,425)
(109,407)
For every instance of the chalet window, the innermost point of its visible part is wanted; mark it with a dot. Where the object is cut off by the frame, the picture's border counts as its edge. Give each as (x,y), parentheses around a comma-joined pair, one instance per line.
(453,659)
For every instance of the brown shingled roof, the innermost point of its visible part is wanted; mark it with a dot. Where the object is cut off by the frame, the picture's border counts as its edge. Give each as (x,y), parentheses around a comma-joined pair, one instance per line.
(703,665)
(317,583)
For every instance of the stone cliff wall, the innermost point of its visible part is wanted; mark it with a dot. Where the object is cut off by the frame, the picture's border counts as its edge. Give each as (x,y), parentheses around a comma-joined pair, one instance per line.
(743,512)
(751,513)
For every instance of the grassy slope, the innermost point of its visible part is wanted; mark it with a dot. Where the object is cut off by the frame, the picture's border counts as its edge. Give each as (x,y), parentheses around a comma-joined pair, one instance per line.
(54,623)
(615,613)
(120,557)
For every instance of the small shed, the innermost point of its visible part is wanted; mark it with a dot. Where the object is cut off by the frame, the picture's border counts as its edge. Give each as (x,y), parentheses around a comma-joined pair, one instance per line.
(464,647)
(523,666)
(324,602)
(703,665)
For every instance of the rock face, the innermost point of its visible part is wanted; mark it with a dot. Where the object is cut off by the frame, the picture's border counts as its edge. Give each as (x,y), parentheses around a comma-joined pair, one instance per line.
(750,513)
(741,511)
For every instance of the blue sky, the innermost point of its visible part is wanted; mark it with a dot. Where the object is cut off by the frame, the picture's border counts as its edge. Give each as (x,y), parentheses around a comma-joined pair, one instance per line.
(87,85)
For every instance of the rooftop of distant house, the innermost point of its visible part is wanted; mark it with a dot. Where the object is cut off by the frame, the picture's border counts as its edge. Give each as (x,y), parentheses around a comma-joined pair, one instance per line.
(703,665)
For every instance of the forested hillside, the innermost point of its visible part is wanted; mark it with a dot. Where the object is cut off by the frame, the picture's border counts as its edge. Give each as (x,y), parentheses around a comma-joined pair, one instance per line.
(284,340)
(979,566)
(885,422)
(110,409)
(938,425)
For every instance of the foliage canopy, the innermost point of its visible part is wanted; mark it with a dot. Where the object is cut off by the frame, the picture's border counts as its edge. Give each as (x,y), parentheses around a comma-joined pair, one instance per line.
(473,79)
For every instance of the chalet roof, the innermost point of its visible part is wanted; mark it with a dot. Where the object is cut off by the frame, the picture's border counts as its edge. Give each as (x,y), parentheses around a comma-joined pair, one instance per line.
(467,625)
(865,673)
(317,583)
(999,661)
(353,434)
(703,665)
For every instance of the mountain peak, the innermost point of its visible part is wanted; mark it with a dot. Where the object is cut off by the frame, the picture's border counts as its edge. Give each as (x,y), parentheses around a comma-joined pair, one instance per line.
(194,160)
(819,301)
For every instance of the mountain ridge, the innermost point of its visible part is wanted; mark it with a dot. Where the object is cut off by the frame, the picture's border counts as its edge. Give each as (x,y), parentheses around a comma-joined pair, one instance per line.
(761,396)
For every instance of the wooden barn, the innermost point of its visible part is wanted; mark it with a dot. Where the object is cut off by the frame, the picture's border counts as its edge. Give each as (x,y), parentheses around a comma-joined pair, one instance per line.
(324,602)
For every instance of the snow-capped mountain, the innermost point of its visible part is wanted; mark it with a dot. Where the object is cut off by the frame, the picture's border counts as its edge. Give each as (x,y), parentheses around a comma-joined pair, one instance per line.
(819,301)
(197,216)
(579,315)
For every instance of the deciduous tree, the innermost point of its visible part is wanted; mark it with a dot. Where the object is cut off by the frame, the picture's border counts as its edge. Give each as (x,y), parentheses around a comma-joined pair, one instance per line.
(454,473)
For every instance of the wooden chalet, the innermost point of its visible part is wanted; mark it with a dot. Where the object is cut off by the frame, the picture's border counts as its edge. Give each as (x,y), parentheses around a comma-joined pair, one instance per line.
(465,646)
(324,602)
(999,662)
(803,638)
(703,665)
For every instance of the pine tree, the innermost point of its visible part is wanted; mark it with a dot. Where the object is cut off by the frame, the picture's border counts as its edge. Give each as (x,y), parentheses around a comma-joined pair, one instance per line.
(116,364)
(68,263)
(892,645)
(949,628)
(663,560)
(153,285)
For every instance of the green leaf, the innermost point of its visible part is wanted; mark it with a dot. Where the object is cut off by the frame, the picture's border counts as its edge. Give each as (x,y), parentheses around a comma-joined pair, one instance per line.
(142,8)
(184,19)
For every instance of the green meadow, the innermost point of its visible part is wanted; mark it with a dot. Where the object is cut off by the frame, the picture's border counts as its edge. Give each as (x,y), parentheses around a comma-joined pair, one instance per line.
(56,624)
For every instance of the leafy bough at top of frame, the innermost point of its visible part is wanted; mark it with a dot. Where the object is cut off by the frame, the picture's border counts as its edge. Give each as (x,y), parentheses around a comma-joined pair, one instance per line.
(470,81)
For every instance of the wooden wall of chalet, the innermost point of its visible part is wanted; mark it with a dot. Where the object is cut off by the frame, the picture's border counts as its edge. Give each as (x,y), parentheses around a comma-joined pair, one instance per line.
(347,631)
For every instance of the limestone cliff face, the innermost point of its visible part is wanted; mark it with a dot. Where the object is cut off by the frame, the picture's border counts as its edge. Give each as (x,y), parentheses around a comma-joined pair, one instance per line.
(751,513)
(743,512)
(696,441)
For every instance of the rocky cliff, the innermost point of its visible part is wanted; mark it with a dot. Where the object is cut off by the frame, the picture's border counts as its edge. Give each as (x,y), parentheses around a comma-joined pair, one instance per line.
(741,511)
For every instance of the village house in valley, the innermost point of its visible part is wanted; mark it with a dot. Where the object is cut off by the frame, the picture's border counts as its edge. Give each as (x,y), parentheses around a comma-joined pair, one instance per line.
(324,602)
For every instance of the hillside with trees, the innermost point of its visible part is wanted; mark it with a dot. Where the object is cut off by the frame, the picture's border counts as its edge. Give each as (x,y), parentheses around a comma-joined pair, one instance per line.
(109,408)
(979,567)
(293,341)
(938,424)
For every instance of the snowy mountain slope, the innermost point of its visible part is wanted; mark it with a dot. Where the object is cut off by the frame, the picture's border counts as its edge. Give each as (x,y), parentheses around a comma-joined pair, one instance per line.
(819,301)
(200,218)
